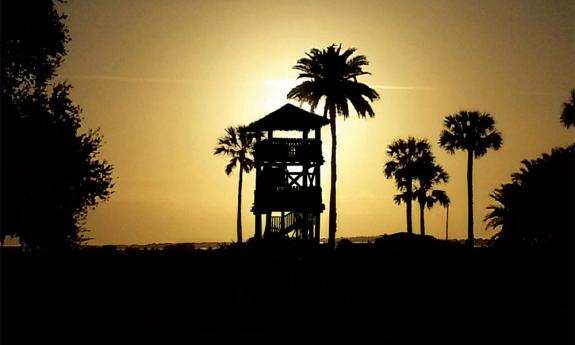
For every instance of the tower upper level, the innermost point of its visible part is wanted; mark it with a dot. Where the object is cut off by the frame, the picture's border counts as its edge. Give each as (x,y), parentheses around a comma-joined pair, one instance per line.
(289,118)
(300,150)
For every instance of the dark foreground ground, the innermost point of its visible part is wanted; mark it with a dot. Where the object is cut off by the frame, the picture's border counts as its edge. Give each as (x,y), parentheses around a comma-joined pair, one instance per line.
(358,294)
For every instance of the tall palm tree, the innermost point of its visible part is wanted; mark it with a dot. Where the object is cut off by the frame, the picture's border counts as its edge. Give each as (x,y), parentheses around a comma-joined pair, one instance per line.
(238,144)
(568,113)
(331,75)
(407,157)
(475,133)
(428,176)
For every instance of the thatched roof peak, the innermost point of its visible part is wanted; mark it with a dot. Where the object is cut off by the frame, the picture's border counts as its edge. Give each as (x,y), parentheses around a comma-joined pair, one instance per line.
(289,118)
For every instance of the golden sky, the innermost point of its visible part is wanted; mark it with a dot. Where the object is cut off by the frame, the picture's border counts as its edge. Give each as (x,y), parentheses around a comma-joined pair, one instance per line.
(162,79)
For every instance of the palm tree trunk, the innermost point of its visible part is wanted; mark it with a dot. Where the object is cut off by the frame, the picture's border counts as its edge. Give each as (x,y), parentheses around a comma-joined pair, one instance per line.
(470,198)
(332,192)
(240,205)
(408,206)
(422,217)
(447,223)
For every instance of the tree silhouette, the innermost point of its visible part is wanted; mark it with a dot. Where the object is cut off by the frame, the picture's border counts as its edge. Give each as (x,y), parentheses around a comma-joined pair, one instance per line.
(406,159)
(536,208)
(331,75)
(428,176)
(34,38)
(50,174)
(238,144)
(475,133)
(568,113)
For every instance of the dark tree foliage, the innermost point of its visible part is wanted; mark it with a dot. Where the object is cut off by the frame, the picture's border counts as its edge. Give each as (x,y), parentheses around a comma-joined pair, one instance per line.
(34,37)
(568,114)
(537,207)
(50,173)
(407,159)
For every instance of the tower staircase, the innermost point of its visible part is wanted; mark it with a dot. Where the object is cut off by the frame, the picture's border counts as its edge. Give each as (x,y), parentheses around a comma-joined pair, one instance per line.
(291,223)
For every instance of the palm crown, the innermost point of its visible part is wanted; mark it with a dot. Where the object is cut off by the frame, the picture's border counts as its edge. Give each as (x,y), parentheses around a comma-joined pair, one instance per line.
(470,131)
(407,158)
(239,145)
(332,75)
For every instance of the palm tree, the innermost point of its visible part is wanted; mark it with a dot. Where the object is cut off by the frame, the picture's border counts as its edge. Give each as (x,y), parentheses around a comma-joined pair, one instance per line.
(331,75)
(429,175)
(568,114)
(536,207)
(446,205)
(475,133)
(238,144)
(407,157)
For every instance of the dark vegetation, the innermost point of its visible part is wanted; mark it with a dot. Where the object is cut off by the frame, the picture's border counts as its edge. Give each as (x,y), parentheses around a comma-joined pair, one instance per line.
(402,289)
(537,208)
(567,117)
(50,173)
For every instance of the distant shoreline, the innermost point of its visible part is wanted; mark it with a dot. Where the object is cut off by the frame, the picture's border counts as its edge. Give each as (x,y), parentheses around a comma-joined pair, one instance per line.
(215,244)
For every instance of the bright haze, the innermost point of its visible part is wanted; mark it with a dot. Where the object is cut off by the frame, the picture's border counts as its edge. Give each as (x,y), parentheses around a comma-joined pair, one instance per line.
(163,79)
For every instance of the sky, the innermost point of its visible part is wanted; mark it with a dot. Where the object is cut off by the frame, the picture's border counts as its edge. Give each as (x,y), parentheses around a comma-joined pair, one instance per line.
(163,79)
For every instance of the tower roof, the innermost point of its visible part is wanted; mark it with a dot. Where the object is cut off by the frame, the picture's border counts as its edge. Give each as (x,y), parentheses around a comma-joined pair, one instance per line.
(289,118)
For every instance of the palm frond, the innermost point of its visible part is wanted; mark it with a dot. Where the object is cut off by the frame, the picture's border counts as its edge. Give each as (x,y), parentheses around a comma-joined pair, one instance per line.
(238,144)
(231,165)
(332,75)
(470,131)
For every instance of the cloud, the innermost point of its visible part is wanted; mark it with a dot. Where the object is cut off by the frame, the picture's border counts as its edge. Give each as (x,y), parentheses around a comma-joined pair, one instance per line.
(123,79)
(273,83)
(398,87)
(285,83)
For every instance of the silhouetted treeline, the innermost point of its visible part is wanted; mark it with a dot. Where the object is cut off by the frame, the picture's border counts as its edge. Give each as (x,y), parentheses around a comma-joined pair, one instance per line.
(538,206)
(407,289)
(50,171)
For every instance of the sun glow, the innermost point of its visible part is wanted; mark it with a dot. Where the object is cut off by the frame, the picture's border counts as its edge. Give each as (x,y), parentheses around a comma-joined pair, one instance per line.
(164,84)
(275,94)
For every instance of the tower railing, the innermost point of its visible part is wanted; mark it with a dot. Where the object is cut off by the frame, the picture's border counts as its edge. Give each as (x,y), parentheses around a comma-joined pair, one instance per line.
(288,150)
(291,221)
